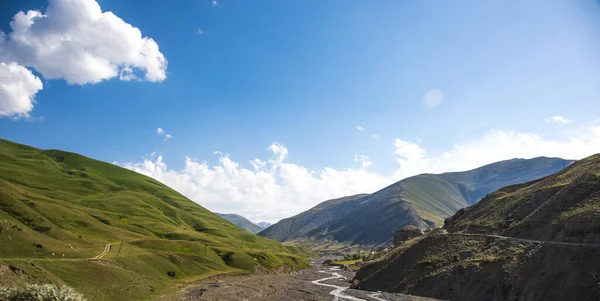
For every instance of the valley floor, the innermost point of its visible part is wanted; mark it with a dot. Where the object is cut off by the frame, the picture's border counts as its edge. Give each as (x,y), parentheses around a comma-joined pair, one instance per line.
(315,283)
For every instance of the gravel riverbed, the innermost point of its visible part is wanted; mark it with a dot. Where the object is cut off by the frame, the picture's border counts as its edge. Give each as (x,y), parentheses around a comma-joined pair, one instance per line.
(315,283)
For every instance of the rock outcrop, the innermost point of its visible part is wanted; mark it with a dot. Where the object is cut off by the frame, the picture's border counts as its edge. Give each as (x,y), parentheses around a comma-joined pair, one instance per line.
(406,233)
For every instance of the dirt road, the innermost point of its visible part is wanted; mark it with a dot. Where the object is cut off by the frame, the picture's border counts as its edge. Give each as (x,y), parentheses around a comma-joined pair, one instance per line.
(316,283)
(106,250)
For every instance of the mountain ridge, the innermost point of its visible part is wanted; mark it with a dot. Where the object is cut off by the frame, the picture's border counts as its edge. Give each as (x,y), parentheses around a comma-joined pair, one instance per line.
(528,241)
(241,222)
(423,201)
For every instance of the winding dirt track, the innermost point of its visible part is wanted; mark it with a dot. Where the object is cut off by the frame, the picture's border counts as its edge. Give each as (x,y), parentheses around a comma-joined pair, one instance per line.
(551,242)
(106,250)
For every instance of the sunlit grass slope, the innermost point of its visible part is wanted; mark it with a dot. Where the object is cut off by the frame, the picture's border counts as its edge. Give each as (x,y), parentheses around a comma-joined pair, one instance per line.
(58,209)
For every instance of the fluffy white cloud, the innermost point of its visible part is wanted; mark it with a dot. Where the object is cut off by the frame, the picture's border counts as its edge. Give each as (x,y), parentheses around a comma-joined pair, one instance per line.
(275,188)
(271,190)
(433,98)
(494,146)
(126,74)
(74,40)
(18,87)
(364,161)
(360,128)
(214,3)
(168,136)
(557,118)
(411,158)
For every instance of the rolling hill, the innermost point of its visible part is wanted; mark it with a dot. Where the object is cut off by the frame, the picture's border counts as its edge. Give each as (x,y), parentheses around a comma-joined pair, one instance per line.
(423,201)
(60,210)
(533,241)
(241,222)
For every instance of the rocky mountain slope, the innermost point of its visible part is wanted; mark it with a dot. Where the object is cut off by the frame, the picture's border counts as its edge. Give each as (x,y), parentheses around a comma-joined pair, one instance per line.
(422,201)
(563,207)
(241,222)
(302,224)
(532,241)
(60,212)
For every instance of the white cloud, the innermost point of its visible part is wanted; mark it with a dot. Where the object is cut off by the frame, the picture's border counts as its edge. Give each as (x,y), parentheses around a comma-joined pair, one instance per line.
(161,132)
(270,190)
(18,87)
(126,74)
(411,158)
(275,188)
(279,150)
(493,146)
(433,98)
(214,3)
(73,40)
(360,128)
(364,161)
(557,119)
(200,31)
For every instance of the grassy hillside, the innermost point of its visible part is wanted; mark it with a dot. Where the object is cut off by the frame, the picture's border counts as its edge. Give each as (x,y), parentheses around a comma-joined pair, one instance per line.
(241,222)
(58,209)
(423,201)
(530,241)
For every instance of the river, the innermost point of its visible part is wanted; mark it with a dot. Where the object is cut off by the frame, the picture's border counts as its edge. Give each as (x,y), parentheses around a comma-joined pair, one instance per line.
(315,283)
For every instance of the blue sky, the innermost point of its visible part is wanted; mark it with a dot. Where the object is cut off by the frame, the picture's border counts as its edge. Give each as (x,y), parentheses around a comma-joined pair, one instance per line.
(301,76)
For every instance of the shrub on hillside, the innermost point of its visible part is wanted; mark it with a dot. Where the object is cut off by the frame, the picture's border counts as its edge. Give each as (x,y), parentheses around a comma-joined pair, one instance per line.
(40,292)
(354,256)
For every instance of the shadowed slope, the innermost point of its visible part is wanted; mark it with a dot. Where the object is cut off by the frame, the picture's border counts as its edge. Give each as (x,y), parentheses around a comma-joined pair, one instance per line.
(532,241)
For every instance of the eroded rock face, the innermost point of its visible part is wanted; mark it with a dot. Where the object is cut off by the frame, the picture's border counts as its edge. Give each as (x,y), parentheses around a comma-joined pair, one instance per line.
(406,233)
(327,262)
(354,283)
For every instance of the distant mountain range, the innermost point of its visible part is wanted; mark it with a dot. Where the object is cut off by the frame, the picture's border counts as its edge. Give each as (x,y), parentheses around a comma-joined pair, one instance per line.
(538,240)
(423,201)
(243,223)
(264,225)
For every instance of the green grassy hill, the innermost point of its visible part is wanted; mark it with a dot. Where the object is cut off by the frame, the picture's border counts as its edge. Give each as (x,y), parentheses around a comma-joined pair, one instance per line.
(58,209)
(241,222)
(423,201)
